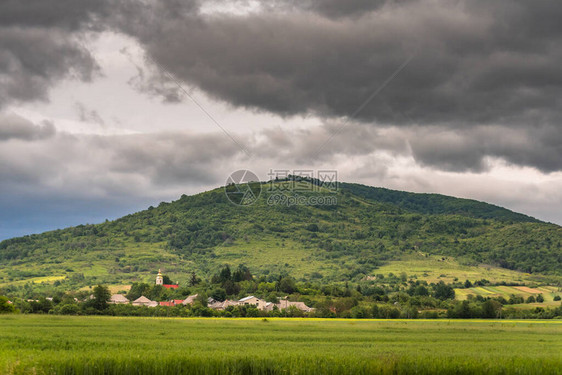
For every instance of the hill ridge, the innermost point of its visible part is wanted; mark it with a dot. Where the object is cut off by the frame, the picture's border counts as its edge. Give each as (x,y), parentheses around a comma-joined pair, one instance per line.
(345,241)
(393,196)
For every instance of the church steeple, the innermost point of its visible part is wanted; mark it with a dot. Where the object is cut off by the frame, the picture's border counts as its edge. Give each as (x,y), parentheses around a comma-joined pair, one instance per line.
(159,278)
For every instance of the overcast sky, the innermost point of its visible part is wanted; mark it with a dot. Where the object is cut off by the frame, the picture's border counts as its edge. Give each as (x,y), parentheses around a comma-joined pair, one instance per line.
(457,97)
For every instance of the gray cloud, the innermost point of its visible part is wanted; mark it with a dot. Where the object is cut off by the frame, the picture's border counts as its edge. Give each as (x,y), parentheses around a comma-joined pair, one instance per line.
(39,45)
(89,115)
(485,62)
(476,63)
(467,149)
(32,60)
(167,158)
(67,14)
(15,127)
(154,82)
(108,166)
(439,147)
(330,8)
(61,180)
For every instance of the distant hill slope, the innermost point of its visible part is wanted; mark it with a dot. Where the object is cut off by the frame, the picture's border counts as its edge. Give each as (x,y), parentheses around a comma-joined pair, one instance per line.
(437,204)
(347,241)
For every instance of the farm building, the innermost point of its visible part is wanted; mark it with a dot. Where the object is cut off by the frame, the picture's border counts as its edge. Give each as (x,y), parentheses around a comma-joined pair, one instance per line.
(216,305)
(285,304)
(118,299)
(259,303)
(254,301)
(189,300)
(173,302)
(143,301)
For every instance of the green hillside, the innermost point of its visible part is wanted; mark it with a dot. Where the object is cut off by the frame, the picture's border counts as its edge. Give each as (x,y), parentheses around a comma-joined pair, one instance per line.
(437,204)
(368,228)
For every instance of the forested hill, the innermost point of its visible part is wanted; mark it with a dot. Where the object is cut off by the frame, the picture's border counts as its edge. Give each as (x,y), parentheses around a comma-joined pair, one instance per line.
(436,203)
(349,240)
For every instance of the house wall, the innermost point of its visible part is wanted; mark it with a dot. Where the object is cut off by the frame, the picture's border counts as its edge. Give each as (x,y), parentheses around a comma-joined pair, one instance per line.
(259,303)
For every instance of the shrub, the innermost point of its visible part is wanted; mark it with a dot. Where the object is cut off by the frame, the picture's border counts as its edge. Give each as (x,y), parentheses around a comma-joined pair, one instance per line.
(6,307)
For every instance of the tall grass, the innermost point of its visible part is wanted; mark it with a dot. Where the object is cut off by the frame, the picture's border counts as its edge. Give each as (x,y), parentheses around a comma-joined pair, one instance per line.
(101,345)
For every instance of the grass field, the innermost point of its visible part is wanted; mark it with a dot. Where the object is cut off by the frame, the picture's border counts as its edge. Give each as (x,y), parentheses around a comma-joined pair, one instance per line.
(434,268)
(548,293)
(36,280)
(104,345)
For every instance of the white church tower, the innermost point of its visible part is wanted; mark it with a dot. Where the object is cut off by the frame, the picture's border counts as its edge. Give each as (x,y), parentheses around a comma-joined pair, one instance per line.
(159,278)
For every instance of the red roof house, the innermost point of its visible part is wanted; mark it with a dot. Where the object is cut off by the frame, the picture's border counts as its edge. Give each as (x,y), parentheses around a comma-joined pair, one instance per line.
(167,303)
(171,286)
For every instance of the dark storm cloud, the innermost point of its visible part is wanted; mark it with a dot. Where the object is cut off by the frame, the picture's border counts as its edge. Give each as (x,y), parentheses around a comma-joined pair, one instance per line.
(67,14)
(476,63)
(32,60)
(461,150)
(39,45)
(330,8)
(473,63)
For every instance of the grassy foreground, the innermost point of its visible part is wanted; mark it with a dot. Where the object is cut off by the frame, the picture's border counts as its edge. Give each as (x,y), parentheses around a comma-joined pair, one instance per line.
(106,345)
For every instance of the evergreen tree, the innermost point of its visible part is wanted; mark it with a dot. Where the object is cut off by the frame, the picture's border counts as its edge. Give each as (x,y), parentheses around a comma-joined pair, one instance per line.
(100,298)
(194,280)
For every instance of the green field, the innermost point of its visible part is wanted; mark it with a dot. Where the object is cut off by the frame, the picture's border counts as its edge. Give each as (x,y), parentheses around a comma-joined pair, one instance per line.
(548,293)
(435,268)
(101,345)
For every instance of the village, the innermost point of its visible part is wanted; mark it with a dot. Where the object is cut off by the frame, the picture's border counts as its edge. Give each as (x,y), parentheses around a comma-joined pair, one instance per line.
(253,301)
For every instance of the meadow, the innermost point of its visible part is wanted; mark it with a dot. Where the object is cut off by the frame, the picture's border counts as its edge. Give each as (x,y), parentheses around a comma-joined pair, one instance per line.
(547,292)
(435,268)
(104,345)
